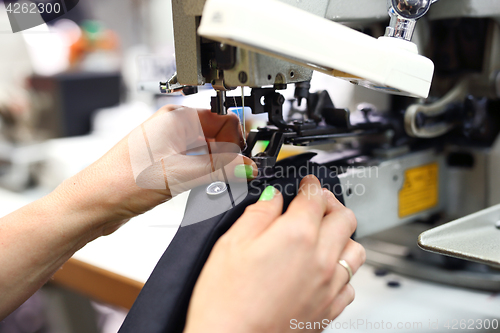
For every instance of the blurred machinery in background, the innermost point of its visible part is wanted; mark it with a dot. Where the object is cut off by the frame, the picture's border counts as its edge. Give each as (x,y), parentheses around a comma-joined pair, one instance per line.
(65,103)
(53,81)
(430,160)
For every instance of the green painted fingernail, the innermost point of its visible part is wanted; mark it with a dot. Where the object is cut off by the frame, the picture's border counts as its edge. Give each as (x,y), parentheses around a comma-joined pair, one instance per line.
(243,171)
(268,194)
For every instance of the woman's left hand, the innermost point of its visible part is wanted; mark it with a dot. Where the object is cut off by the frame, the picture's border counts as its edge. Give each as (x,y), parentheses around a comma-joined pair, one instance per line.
(177,149)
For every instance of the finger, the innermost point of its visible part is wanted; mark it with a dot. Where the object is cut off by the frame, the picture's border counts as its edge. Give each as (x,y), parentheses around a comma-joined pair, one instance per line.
(343,299)
(355,256)
(221,128)
(165,109)
(236,171)
(333,202)
(170,132)
(259,216)
(184,172)
(336,229)
(172,107)
(235,166)
(310,204)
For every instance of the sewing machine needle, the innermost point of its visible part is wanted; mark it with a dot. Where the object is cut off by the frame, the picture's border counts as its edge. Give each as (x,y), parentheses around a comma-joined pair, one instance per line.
(243,115)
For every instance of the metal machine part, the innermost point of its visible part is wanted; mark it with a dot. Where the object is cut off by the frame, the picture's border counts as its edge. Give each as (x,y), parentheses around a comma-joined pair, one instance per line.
(324,123)
(474,237)
(396,251)
(372,11)
(248,69)
(220,103)
(171,86)
(404,15)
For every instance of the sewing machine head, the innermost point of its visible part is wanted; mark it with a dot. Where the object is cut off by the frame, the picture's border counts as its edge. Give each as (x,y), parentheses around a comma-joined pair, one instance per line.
(237,44)
(275,43)
(234,43)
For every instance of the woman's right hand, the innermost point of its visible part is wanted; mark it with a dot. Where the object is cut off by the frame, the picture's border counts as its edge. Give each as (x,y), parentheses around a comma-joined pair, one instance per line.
(270,272)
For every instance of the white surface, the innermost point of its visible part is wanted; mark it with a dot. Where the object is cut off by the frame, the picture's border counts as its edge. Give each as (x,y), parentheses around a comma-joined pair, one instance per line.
(68,156)
(135,248)
(324,45)
(414,302)
(10,201)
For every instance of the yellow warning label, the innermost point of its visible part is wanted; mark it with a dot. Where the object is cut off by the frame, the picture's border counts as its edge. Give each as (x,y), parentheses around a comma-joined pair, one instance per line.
(420,190)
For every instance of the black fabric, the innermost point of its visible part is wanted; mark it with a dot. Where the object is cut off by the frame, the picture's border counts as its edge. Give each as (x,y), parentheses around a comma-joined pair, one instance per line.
(162,305)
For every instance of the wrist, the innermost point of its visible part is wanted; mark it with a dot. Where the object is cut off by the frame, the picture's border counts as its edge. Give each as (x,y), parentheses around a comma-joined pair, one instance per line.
(91,200)
(105,195)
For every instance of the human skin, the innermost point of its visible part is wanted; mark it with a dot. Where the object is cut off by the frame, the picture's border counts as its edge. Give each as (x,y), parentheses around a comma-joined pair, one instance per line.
(36,240)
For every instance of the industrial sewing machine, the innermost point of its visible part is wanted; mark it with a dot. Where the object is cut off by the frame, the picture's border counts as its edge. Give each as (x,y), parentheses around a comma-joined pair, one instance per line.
(433,155)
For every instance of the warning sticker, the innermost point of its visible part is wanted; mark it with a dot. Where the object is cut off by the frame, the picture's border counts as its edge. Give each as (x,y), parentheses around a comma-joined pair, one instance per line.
(420,190)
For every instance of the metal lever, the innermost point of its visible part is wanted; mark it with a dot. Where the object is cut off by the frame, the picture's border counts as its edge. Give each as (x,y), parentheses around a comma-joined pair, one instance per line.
(273,104)
(173,86)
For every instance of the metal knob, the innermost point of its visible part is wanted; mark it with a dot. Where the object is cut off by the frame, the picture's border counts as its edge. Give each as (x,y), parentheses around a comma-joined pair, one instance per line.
(411,9)
(404,15)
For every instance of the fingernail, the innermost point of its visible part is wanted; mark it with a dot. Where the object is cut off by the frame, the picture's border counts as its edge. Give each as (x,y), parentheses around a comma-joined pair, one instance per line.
(243,171)
(268,194)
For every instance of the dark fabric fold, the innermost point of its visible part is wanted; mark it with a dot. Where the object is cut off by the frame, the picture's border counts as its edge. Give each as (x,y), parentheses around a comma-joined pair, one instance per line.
(162,305)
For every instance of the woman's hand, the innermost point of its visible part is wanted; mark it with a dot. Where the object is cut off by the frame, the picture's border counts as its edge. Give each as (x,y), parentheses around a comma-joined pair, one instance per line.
(270,272)
(153,164)
(37,239)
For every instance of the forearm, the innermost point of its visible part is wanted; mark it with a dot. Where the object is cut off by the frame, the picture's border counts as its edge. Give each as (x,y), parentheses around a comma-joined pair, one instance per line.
(37,239)
(34,242)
